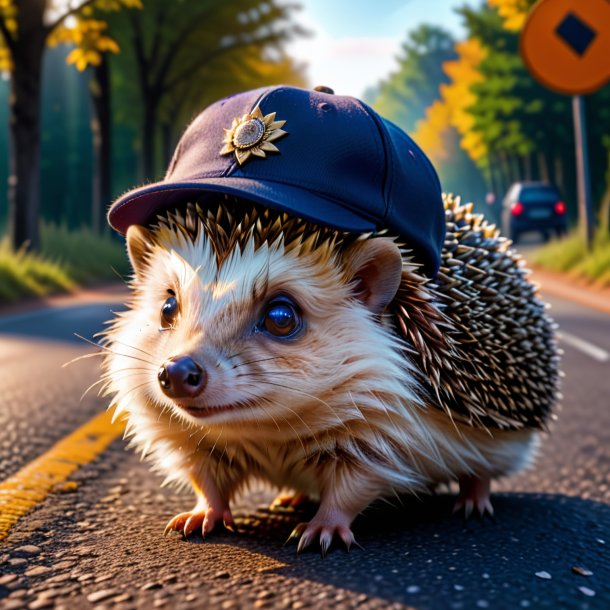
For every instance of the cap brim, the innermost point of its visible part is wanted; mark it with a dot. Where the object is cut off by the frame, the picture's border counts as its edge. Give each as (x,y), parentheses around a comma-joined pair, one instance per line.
(142,205)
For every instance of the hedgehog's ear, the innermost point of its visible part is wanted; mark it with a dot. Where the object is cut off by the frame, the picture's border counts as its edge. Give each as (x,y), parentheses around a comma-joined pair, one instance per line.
(139,245)
(374,268)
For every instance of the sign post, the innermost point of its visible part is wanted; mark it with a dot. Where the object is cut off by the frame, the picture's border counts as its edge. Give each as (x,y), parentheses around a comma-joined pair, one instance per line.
(585,203)
(565,45)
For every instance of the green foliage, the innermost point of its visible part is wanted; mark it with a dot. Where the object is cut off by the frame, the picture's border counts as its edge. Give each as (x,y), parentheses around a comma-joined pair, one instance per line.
(561,255)
(85,256)
(177,57)
(412,93)
(26,274)
(514,113)
(67,259)
(526,128)
(66,164)
(596,265)
(406,94)
(570,255)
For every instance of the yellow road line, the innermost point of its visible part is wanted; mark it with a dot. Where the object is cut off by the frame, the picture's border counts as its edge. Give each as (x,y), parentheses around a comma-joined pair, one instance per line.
(33,483)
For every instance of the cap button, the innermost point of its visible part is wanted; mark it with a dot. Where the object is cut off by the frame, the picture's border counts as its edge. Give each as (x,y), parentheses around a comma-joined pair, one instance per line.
(324,89)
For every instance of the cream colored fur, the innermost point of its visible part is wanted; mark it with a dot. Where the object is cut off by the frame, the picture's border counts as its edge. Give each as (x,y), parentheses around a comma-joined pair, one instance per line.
(336,413)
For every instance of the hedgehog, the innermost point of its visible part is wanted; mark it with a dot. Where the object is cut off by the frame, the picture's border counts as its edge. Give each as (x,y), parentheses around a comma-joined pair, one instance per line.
(259,345)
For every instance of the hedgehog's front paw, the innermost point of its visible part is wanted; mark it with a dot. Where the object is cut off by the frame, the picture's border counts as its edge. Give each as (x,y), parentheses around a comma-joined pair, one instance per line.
(201,517)
(323,529)
(474,495)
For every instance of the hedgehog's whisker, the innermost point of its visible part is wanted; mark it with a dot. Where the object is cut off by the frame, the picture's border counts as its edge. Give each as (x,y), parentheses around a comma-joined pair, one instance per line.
(110,351)
(317,398)
(106,378)
(102,380)
(285,387)
(256,361)
(203,438)
(297,433)
(216,441)
(132,390)
(364,418)
(65,364)
(110,377)
(256,400)
(133,347)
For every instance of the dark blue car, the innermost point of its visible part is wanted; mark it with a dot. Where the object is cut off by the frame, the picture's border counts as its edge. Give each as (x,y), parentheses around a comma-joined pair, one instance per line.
(533,206)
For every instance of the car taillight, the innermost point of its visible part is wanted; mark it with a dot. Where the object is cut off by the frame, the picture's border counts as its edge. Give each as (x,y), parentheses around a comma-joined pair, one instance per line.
(560,207)
(517,208)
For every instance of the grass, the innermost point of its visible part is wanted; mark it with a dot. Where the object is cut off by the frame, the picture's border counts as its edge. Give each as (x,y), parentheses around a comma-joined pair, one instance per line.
(67,259)
(569,255)
(71,258)
(85,256)
(24,274)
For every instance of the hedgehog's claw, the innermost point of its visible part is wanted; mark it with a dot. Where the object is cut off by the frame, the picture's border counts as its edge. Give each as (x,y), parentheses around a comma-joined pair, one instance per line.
(176,524)
(324,532)
(202,518)
(296,533)
(474,495)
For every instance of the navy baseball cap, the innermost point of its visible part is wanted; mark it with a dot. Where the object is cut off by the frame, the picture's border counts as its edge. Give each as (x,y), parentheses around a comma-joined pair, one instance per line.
(326,158)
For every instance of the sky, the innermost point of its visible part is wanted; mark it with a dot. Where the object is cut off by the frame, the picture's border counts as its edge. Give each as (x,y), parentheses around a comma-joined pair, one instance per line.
(356,42)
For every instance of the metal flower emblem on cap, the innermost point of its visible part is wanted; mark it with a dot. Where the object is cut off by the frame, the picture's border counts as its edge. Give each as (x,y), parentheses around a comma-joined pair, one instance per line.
(253,134)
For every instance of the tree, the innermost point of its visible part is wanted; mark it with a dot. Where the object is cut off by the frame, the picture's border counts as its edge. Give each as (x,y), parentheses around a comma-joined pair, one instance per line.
(451,110)
(527,129)
(406,93)
(170,45)
(25,27)
(235,71)
(464,73)
(88,35)
(414,97)
(512,12)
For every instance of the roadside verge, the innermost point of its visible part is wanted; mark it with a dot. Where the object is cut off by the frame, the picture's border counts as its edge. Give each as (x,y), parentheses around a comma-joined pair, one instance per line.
(564,287)
(550,283)
(114,291)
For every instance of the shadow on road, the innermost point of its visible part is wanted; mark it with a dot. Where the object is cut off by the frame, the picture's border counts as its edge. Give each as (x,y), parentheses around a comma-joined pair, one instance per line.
(420,555)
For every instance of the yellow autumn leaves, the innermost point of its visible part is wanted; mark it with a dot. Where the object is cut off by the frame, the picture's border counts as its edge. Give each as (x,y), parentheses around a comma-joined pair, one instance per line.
(7,15)
(513,12)
(88,35)
(85,30)
(90,40)
(451,110)
(456,97)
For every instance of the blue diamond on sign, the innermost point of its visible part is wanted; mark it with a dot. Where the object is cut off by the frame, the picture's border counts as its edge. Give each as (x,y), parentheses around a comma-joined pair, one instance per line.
(576,33)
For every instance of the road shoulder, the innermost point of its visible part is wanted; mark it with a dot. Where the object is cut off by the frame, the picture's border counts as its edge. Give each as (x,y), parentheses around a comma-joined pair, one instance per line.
(115,291)
(571,289)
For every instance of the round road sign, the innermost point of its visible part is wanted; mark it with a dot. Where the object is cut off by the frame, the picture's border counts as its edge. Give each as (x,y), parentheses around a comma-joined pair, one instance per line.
(566,44)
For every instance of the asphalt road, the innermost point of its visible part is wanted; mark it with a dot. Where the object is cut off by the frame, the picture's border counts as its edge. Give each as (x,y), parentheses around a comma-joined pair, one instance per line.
(102,545)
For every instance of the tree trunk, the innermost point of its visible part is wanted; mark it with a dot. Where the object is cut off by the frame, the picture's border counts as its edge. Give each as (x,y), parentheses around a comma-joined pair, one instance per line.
(604,208)
(559,175)
(149,118)
(527,166)
(24,176)
(504,170)
(167,142)
(515,172)
(101,126)
(494,187)
(543,168)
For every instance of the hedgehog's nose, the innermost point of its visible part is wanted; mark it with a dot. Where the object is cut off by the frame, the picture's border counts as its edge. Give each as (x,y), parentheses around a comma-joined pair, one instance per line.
(182,377)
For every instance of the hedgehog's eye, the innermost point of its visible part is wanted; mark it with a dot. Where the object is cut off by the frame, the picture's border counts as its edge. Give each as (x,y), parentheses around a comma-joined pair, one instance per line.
(281,318)
(169,312)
